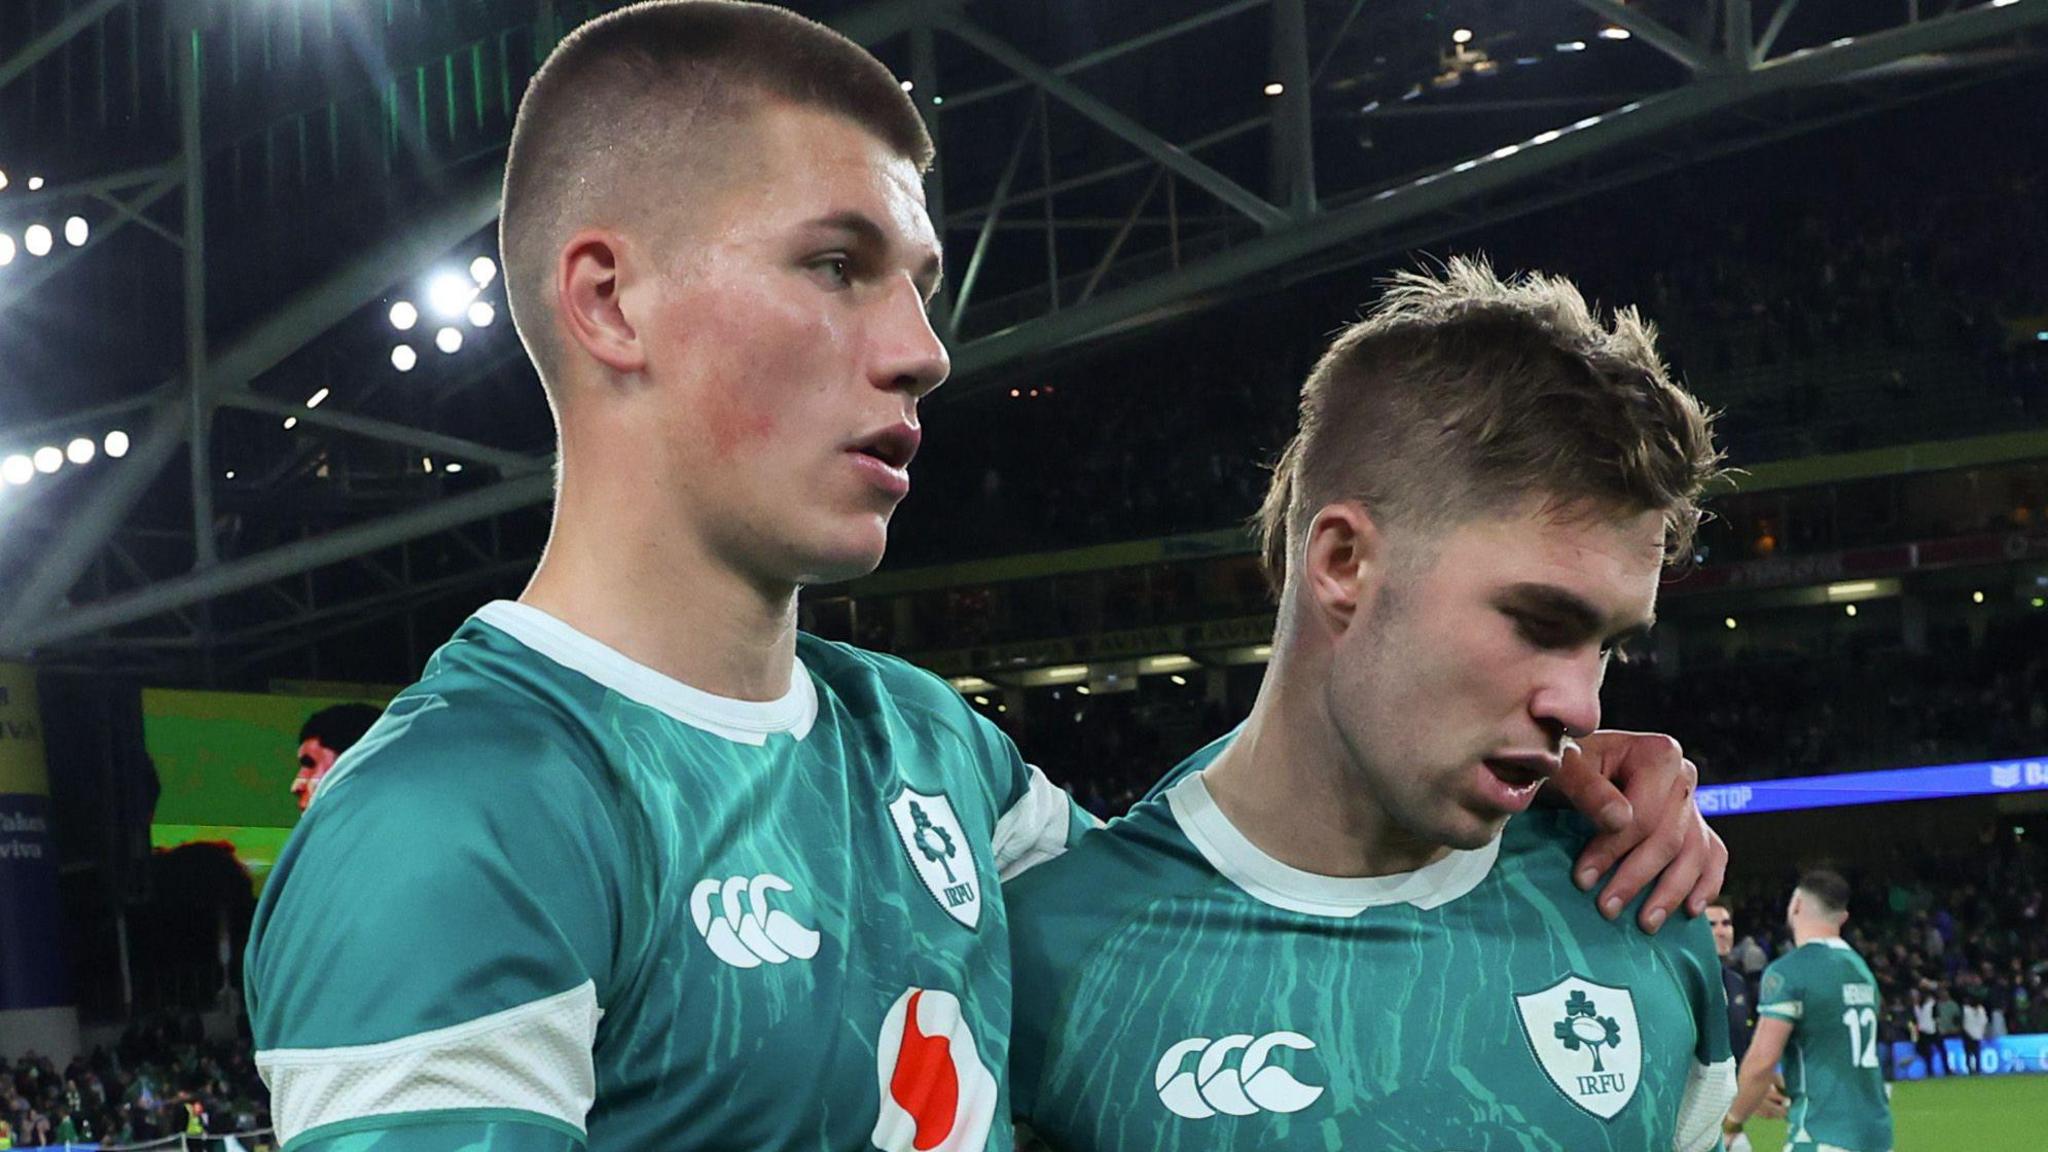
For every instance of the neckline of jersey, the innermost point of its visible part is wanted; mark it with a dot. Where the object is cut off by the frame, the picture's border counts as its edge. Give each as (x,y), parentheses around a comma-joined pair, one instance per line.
(741,721)
(1269,881)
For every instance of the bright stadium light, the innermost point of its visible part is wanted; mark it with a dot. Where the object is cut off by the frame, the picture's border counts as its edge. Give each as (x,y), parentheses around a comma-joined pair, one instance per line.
(481,314)
(35,183)
(1462,36)
(404,315)
(17,470)
(317,398)
(1275,88)
(77,231)
(454,466)
(1848,609)
(291,422)
(6,249)
(1975,597)
(448,294)
(908,86)
(116,444)
(483,270)
(48,459)
(38,240)
(449,340)
(404,358)
(80,451)
(1728,622)
(1612,33)
(3,179)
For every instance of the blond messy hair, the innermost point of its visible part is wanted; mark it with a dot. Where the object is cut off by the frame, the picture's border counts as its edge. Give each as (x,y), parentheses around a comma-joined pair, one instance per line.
(1460,392)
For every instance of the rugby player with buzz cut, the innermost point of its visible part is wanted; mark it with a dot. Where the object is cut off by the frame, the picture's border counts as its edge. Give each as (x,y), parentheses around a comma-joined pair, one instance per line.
(1817,1015)
(636,865)
(1340,926)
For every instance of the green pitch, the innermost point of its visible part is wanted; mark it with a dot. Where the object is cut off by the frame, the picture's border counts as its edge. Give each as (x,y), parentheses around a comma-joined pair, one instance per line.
(1990,1114)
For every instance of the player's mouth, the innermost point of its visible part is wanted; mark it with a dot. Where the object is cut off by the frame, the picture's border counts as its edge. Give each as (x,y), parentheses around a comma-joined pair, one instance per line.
(884,457)
(1510,782)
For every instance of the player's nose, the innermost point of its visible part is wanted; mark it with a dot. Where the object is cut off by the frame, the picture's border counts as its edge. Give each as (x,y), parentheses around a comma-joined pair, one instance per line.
(908,354)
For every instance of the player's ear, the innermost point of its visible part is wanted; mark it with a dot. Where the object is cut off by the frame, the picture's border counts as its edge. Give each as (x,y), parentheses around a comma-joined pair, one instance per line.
(1341,562)
(592,273)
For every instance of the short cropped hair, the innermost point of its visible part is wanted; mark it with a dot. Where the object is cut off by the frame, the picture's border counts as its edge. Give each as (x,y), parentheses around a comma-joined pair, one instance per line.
(340,726)
(1460,391)
(655,89)
(1826,889)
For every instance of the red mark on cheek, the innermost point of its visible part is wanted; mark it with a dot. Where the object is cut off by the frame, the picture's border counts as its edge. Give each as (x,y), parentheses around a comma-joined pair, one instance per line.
(926,1084)
(731,420)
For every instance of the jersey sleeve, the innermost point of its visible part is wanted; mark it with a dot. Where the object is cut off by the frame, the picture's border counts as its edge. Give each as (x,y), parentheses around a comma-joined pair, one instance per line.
(1038,820)
(1783,993)
(1710,1082)
(427,964)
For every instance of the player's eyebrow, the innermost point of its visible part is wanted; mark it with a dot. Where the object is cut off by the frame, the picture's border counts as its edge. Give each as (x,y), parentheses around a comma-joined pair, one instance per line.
(1574,611)
(866,233)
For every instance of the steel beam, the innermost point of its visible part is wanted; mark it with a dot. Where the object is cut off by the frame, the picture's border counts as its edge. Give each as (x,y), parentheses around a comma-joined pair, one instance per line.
(1467,181)
(25,280)
(70,422)
(1647,29)
(1293,151)
(1762,51)
(55,38)
(277,563)
(74,549)
(1134,133)
(93,186)
(1105,55)
(433,443)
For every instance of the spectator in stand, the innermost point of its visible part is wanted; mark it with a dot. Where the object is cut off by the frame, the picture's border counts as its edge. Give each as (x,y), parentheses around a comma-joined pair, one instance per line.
(1926,1034)
(1975,1021)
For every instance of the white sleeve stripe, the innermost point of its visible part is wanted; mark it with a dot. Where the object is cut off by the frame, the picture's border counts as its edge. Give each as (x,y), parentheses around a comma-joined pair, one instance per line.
(1783,1009)
(1034,830)
(535,1057)
(1709,1090)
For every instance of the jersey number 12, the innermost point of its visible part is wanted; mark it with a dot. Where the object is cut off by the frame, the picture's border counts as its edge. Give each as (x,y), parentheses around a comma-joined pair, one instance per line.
(1862,1024)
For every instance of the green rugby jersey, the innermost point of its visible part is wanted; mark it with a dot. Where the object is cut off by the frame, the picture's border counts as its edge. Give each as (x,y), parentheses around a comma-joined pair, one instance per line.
(555,900)
(1826,992)
(1178,989)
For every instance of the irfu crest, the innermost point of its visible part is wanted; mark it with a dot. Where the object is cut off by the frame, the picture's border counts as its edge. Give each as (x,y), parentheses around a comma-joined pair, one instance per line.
(1584,1037)
(938,850)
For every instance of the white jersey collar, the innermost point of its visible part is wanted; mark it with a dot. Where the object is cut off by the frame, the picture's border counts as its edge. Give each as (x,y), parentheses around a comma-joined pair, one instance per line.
(1283,886)
(741,721)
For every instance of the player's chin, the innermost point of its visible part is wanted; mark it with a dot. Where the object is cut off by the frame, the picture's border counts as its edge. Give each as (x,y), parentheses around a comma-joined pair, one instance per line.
(854,548)
(1473,825)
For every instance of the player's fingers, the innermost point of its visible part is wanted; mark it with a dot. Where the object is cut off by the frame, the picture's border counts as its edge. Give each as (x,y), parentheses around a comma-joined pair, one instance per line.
(1664,829)
(1675,883)
(1710,881)
(1582,778)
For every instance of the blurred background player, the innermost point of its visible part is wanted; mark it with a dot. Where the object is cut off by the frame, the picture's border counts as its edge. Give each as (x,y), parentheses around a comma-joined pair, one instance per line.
(323,738)
(1818,1014)
(1318,935)
(1741,1010)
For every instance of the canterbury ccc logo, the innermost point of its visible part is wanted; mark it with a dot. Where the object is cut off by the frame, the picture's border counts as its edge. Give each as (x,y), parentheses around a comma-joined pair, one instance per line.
(937,1095)
(745,932)
(1241,1087)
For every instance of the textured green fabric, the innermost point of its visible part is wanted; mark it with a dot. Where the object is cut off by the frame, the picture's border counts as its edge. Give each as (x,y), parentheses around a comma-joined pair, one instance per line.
(513,829)
(1161,1005)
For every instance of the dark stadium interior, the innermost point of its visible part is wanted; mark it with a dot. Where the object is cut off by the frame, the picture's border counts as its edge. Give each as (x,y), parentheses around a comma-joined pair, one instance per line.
(1854,273)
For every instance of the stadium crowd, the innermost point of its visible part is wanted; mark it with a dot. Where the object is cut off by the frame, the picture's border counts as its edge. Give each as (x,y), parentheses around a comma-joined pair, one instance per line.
(164,1079)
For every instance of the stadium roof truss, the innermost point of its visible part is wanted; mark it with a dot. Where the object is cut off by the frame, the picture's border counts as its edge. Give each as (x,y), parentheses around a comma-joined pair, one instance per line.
(1166,216)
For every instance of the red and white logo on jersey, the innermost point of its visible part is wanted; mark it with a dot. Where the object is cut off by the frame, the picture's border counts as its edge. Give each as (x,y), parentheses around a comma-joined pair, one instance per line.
(937,1095)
